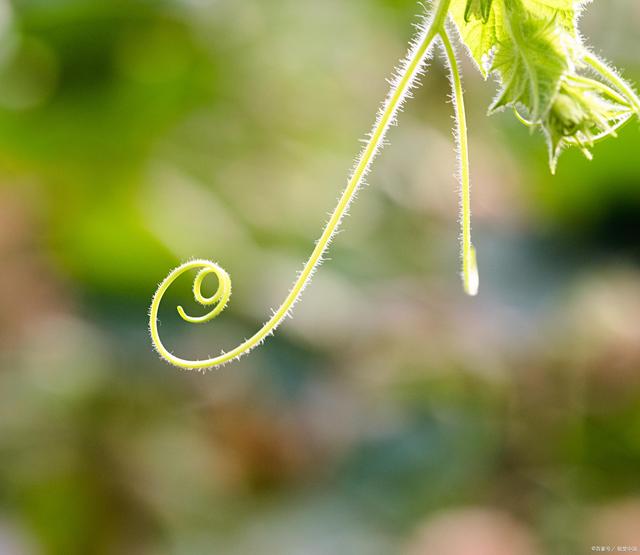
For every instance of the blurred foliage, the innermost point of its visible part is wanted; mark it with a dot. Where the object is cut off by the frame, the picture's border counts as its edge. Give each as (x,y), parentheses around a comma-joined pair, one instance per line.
(135,134)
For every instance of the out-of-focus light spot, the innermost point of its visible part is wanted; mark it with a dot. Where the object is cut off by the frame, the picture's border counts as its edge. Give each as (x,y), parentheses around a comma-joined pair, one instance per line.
(29,75)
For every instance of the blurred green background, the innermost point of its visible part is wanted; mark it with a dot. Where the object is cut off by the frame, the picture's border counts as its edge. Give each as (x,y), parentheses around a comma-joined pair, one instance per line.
(392,414)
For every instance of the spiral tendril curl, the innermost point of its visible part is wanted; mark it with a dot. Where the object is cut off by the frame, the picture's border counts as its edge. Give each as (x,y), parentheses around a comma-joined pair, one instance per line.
(404,80)
(578,111)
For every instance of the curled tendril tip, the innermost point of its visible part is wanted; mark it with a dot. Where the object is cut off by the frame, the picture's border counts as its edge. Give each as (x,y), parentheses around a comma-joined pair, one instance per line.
(548,92)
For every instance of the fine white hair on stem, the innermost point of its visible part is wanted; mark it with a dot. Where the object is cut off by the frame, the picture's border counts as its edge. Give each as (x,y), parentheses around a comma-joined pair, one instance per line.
(470,276)
(614,77)
(404,79)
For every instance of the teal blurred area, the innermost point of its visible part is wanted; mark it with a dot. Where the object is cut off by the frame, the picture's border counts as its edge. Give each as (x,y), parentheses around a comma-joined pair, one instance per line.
(391,414)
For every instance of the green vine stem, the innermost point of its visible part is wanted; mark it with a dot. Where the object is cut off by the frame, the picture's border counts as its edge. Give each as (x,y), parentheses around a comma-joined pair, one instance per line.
(614,78)
(535,50)
(470,277)
(410,69)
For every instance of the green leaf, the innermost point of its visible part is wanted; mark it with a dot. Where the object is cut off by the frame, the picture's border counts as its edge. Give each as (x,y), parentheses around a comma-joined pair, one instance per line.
(479,34)
(534,49)
(530,65)
(524,42)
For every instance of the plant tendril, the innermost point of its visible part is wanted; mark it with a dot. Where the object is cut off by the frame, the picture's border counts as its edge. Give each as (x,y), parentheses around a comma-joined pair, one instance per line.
(614,78)
(470,276)
(539,77)
(410,69)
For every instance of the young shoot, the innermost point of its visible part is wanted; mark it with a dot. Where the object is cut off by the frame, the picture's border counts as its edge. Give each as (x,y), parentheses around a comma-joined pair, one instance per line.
(547,77)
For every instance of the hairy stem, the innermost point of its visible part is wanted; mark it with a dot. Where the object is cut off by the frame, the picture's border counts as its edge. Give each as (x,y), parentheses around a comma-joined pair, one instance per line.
(614,78)
(410,69)
(470,276)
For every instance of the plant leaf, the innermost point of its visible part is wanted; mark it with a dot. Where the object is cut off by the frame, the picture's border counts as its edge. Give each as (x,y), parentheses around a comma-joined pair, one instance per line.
(524,42)
(534,48)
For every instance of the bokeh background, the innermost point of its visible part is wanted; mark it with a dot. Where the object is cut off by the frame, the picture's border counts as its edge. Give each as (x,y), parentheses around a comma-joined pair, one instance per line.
(392,414)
